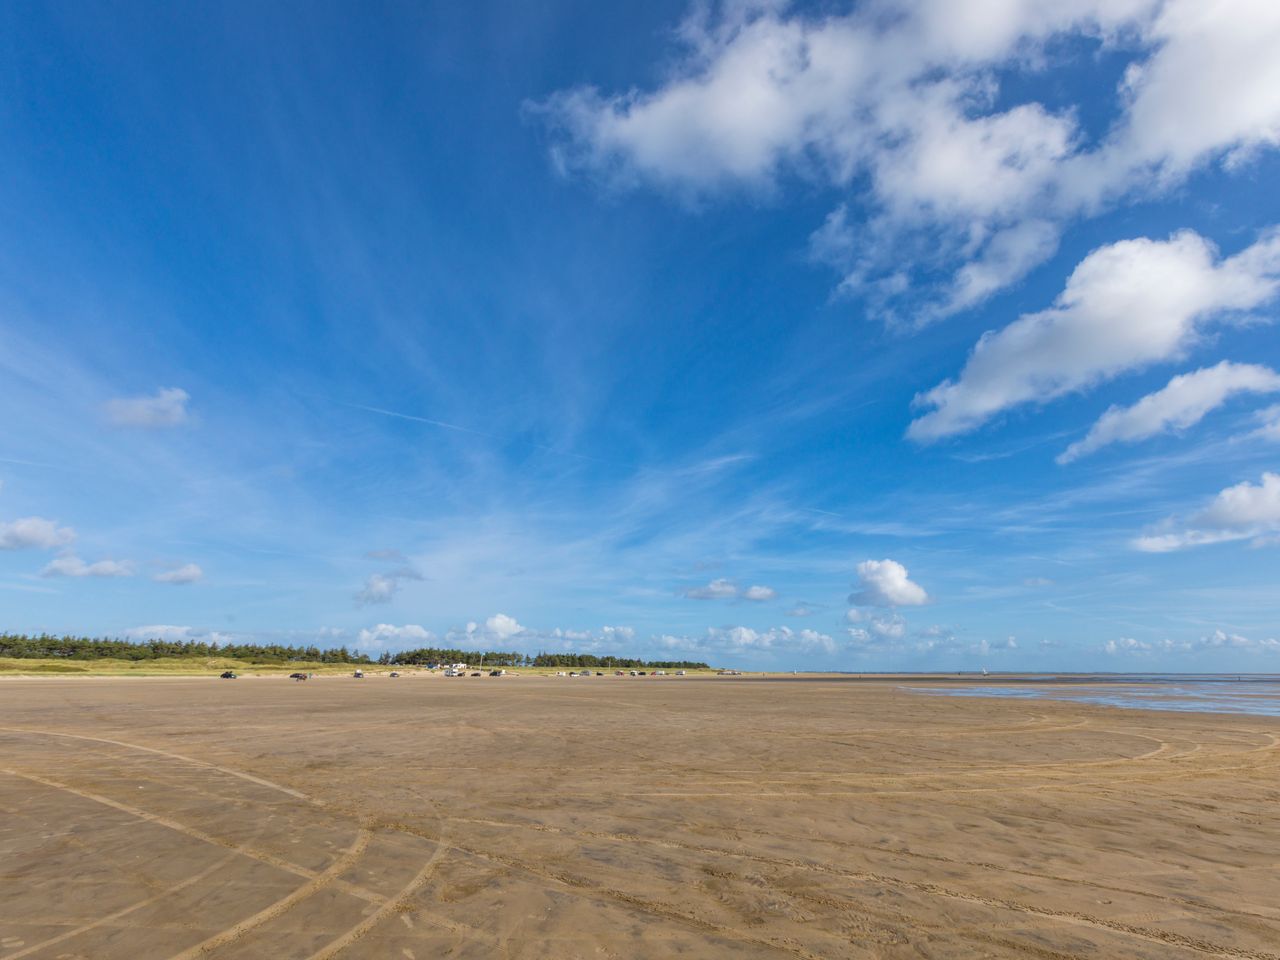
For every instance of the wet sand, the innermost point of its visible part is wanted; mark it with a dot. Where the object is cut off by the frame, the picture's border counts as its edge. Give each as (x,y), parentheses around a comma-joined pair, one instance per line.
(625,818)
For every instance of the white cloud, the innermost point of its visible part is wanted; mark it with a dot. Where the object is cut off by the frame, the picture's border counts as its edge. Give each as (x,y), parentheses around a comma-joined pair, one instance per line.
(1270,420)
(167,408)
(502,626)
(985,648)
(378,588)
(1211,85)
(888,628)
(884,583)
(1246,511)
(386,634)
(34,532)
(160,631)
(723,589)
(70,565)
(382,587)
(746,639)
(1182,403)
(899,107)
(1220,639)
(1125,306)
(187,573)
(718,589)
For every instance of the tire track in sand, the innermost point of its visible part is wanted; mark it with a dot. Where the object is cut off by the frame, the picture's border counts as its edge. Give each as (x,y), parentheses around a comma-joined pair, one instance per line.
(308,889)
(112,917)
(297,794)
(145,815)
(391,904)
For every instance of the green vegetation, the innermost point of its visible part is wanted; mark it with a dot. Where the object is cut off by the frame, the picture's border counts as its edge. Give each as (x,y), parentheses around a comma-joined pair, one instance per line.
(164,667)
(46,647)
(70,655)
(492,658)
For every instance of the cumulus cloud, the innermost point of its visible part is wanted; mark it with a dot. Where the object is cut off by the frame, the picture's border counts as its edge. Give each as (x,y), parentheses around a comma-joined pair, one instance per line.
(389,635)
(505,630)
(378,588)
(742,639)
(893,627)
(34,532)
(1125,306)
(884,583)
(166,408)
(502,626)
(1125,644)
(722,589)
(900,108)
(70,565)
(187,573)
(1220,639)
(1246,511)
(382,587)
(1183,403)
(718,589)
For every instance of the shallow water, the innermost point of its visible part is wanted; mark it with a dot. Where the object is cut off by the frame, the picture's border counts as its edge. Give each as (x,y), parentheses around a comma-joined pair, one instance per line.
(1261,698)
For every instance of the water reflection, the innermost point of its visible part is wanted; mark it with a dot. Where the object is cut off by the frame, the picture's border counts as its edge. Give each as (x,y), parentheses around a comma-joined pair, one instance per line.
(1218,696)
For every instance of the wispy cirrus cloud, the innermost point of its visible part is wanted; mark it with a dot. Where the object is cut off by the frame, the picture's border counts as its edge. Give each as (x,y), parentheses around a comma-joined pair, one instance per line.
(167,407)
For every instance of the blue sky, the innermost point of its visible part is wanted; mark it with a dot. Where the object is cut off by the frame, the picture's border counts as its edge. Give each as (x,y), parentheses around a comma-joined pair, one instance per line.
(867,337)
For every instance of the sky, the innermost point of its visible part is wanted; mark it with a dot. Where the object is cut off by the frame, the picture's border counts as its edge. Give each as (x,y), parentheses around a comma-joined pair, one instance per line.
(878,336)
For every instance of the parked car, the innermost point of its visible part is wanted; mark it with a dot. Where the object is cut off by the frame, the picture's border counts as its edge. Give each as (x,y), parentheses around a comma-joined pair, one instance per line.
(477,673)
(393,674)
(297,676)
(359,674)
(228,675)
(497,673)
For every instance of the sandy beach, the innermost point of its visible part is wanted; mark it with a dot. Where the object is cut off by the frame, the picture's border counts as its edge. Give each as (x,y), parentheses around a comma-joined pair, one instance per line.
(618,818)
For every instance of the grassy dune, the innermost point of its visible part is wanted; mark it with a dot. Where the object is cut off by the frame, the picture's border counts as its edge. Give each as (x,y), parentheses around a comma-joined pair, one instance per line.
(212,666)
(168,667)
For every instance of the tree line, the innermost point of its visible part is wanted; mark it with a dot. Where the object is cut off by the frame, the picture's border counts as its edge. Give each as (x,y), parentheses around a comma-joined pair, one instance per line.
(498,658)
(48,647)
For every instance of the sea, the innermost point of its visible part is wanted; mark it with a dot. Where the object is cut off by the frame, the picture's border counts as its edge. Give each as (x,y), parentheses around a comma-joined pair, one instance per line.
(1258,695)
